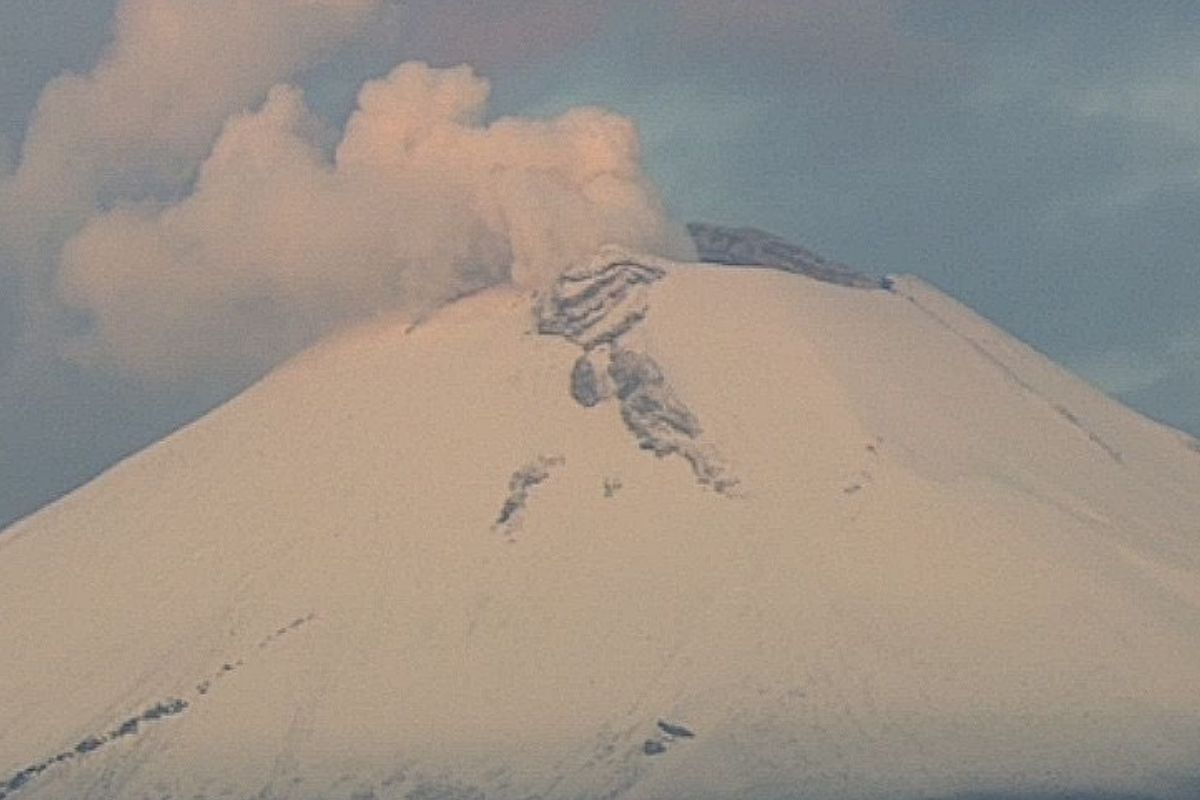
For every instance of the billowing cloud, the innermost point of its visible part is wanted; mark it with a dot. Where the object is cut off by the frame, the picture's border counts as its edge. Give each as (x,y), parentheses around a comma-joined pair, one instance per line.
(142,118)
(136,126)
(177,220)
(419,202)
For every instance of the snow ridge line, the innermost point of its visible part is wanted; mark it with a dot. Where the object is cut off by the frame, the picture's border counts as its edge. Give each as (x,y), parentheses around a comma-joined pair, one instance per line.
(134,725)
(1062,411)
(595,305)
(90,744)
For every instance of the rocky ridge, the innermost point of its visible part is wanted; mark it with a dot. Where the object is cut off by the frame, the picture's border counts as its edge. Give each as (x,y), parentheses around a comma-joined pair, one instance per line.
(595,305)
(751,247)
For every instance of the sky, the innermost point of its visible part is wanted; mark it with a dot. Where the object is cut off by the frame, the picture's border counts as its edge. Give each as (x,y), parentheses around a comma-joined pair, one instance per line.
(190,193)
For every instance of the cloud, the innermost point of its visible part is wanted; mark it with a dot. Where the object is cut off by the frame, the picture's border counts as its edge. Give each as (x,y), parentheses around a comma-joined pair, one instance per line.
(7,157)
(40,39)
(143,117)
(1171,102)
(1125,371)
(491,36)
(1121,371)
(1186,344)
(280,242)
(1153,378)
(136,125)
(862,40)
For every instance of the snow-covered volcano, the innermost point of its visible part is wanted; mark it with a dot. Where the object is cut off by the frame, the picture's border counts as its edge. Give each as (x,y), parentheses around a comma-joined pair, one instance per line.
(668,531)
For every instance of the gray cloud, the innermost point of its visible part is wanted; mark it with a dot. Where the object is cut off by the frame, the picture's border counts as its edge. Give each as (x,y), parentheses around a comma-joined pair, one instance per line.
(856,41)
(491,36)
(40,39)
(8,156)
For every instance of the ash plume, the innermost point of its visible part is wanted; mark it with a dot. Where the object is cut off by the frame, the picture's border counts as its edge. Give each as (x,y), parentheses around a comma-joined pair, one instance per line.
(419,202)
(177,221)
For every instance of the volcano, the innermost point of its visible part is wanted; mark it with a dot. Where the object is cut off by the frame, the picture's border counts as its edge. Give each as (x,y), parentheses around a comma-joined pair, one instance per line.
(662,531)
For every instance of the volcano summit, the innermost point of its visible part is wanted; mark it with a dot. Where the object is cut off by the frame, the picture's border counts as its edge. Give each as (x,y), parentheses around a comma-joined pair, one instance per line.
(664,531)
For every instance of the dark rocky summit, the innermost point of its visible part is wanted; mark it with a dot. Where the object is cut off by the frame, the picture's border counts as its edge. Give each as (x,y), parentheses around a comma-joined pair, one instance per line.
(595,305)
(717,244)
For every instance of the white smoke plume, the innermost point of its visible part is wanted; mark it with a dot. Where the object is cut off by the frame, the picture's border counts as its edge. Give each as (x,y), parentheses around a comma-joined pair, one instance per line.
(176,221)
(279,242)
(169,224)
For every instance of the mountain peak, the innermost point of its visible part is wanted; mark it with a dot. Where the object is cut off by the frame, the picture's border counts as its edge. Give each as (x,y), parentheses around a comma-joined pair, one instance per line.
(719,244)
(676,531)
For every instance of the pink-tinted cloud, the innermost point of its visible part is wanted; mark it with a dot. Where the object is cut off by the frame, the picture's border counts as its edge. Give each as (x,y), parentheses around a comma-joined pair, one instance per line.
(278,244)
(176,70)
(137,125)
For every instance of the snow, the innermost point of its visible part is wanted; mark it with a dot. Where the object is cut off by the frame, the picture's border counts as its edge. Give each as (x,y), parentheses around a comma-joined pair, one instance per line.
(947,566)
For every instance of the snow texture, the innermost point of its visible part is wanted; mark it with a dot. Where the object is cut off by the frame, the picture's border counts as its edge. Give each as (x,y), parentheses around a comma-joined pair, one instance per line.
(933,583)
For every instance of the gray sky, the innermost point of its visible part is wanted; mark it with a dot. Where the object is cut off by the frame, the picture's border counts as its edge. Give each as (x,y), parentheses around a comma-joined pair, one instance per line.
(1040,161)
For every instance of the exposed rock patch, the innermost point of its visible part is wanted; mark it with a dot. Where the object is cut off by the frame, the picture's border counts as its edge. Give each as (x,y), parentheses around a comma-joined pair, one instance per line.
(136,724)
(90,744)
(653,747)
(659,420)
(599,301)
(590,383)
(595,306)
(519,487)
(675,730)
(668,733)
(717,244)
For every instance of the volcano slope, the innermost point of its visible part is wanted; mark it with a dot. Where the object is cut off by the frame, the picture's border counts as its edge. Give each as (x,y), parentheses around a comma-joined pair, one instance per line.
(667,531)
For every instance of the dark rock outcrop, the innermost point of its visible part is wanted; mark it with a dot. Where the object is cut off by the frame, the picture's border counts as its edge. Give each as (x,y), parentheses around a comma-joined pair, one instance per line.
(717,244)
(595,306)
